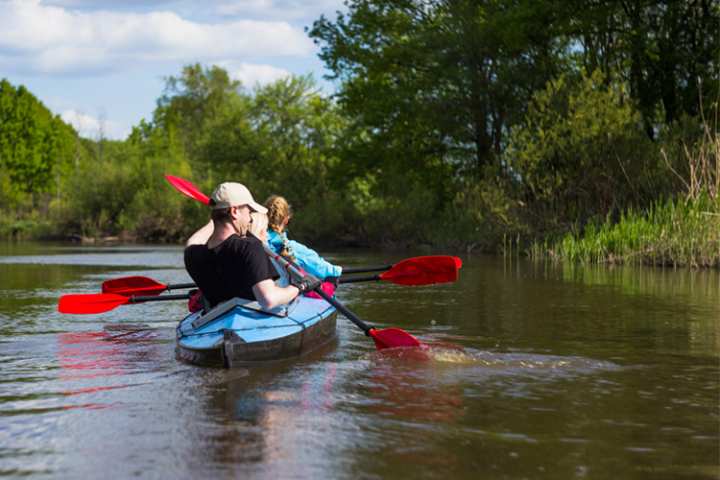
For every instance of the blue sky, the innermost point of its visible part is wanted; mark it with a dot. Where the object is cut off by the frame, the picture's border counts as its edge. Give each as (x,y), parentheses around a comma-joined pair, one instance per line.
(101,64)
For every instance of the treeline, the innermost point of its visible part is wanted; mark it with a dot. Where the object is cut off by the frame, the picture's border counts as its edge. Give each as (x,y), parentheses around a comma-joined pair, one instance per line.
(455,122)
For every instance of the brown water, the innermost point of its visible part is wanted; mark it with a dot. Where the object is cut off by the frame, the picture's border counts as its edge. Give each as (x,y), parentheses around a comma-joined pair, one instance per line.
(535,372)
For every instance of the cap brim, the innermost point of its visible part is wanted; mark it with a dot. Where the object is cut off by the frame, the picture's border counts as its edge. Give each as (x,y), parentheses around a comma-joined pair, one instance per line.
(257,207)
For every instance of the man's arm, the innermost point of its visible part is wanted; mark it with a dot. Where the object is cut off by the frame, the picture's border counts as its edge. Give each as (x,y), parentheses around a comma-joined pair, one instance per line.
(201,236)
(270,295)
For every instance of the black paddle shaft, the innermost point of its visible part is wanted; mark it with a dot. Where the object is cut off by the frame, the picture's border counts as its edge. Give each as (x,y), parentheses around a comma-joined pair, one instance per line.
(360,278)
(377,268)
(348,314)
(158,298)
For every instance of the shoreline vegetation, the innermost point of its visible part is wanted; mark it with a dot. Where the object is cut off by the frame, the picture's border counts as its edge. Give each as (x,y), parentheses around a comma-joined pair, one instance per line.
(678,232)
(579,133)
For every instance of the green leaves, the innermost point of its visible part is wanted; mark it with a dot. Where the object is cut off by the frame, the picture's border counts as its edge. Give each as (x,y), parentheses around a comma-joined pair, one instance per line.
(35,146)
(582,149)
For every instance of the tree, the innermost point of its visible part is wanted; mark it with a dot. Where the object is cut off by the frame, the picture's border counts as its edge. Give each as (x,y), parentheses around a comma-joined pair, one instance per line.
(278,139)
(440,79)
(197,96)
(581,151)
(668,51)
(35,145)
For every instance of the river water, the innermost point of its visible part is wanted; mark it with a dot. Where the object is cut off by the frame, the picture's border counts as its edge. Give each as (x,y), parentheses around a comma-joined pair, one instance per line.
(535,371)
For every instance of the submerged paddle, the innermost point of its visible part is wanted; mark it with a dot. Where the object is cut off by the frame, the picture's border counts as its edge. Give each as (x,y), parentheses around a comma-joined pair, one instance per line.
(104,302)
(414,271)
(385,338)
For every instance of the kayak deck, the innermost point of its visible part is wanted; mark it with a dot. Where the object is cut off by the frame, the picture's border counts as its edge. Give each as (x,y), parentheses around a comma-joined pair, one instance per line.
(239,332)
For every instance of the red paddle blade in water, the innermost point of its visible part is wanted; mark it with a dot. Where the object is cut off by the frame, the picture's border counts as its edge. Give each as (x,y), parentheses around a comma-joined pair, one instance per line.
(424,270)
(136,285)
(91,303)
(393,338)
(187,188)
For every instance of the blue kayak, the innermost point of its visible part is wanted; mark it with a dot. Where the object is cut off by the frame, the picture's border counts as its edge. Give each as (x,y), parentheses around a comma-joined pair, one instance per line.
(240,332)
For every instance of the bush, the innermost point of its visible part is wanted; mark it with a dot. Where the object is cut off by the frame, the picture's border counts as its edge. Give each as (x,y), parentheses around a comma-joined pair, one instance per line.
(582,153)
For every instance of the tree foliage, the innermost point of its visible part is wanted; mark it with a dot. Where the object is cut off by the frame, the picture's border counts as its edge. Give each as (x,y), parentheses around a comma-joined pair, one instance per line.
(35,146)
(667,51)
(454,122)
(436,81)
(581,150)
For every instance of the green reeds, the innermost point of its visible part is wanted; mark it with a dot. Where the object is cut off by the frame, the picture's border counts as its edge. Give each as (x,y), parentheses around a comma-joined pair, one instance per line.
(678,233)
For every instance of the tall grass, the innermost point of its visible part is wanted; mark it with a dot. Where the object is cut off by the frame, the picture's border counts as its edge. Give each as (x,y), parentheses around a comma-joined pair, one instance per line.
(683,231)
(671,233)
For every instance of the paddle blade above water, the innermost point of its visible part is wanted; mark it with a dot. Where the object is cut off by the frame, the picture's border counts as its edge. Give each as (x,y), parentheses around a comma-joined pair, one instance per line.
(393,338)
(90,303)
(136,285)
(187,188)
(424,270)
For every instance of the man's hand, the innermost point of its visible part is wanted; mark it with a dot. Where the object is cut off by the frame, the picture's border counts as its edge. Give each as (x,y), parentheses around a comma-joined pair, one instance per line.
(307,283)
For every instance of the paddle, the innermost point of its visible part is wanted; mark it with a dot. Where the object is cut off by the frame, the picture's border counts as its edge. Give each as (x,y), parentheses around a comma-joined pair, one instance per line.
(427,260)
(104,302)
(386,338)
(417,271)
(414,271)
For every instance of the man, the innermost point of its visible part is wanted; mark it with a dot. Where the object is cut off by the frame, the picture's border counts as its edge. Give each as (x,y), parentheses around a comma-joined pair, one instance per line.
(225,261)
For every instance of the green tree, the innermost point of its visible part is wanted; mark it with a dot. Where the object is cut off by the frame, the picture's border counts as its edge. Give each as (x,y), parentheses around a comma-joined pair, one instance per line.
(666,50)
(441,79)
(581,151)
(195,97)
(280,139)
(36,147)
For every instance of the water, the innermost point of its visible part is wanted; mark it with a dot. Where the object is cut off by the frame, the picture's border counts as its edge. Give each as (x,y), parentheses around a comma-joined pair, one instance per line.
(532,372)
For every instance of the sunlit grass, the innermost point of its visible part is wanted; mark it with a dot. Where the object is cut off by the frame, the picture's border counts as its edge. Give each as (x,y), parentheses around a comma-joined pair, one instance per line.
(671,233)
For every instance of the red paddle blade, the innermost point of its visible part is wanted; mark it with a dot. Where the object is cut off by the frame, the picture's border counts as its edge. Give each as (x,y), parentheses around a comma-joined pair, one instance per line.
(137,285)
(424,270)
(187,188)
(90,303)
(393,338)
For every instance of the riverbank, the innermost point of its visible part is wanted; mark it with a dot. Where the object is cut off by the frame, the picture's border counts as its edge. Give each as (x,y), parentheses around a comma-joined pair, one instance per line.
(675,233)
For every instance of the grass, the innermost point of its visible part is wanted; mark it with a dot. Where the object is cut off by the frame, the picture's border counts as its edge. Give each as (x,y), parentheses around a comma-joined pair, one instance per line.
(678,233)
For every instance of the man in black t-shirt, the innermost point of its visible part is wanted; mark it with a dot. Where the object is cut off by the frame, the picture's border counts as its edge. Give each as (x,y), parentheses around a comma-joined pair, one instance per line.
(225,261)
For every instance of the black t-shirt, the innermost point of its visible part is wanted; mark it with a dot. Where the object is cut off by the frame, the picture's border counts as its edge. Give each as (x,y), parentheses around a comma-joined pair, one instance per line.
(230,269)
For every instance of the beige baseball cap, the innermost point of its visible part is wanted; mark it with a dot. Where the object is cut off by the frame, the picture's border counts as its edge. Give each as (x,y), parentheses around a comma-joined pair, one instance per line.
(231,194)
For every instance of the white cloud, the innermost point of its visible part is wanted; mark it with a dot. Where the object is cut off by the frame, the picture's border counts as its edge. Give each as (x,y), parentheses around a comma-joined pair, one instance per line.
(47,39)
(92,127)
(251,74)
(307,10)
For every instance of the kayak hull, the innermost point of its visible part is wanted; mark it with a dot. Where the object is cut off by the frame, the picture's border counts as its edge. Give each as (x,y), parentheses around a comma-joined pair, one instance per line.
(240,333)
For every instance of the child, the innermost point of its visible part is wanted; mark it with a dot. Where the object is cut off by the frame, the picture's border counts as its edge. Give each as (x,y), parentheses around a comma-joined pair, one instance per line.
(279,215)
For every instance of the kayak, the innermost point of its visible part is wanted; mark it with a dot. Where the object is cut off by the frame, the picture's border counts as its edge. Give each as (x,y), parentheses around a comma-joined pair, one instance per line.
(240,332)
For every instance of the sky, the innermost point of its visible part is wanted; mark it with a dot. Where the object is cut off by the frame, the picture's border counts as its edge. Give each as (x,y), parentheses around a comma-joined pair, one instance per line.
(102,65)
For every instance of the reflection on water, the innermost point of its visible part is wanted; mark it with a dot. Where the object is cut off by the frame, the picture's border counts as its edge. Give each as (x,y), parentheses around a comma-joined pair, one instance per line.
(531,371)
